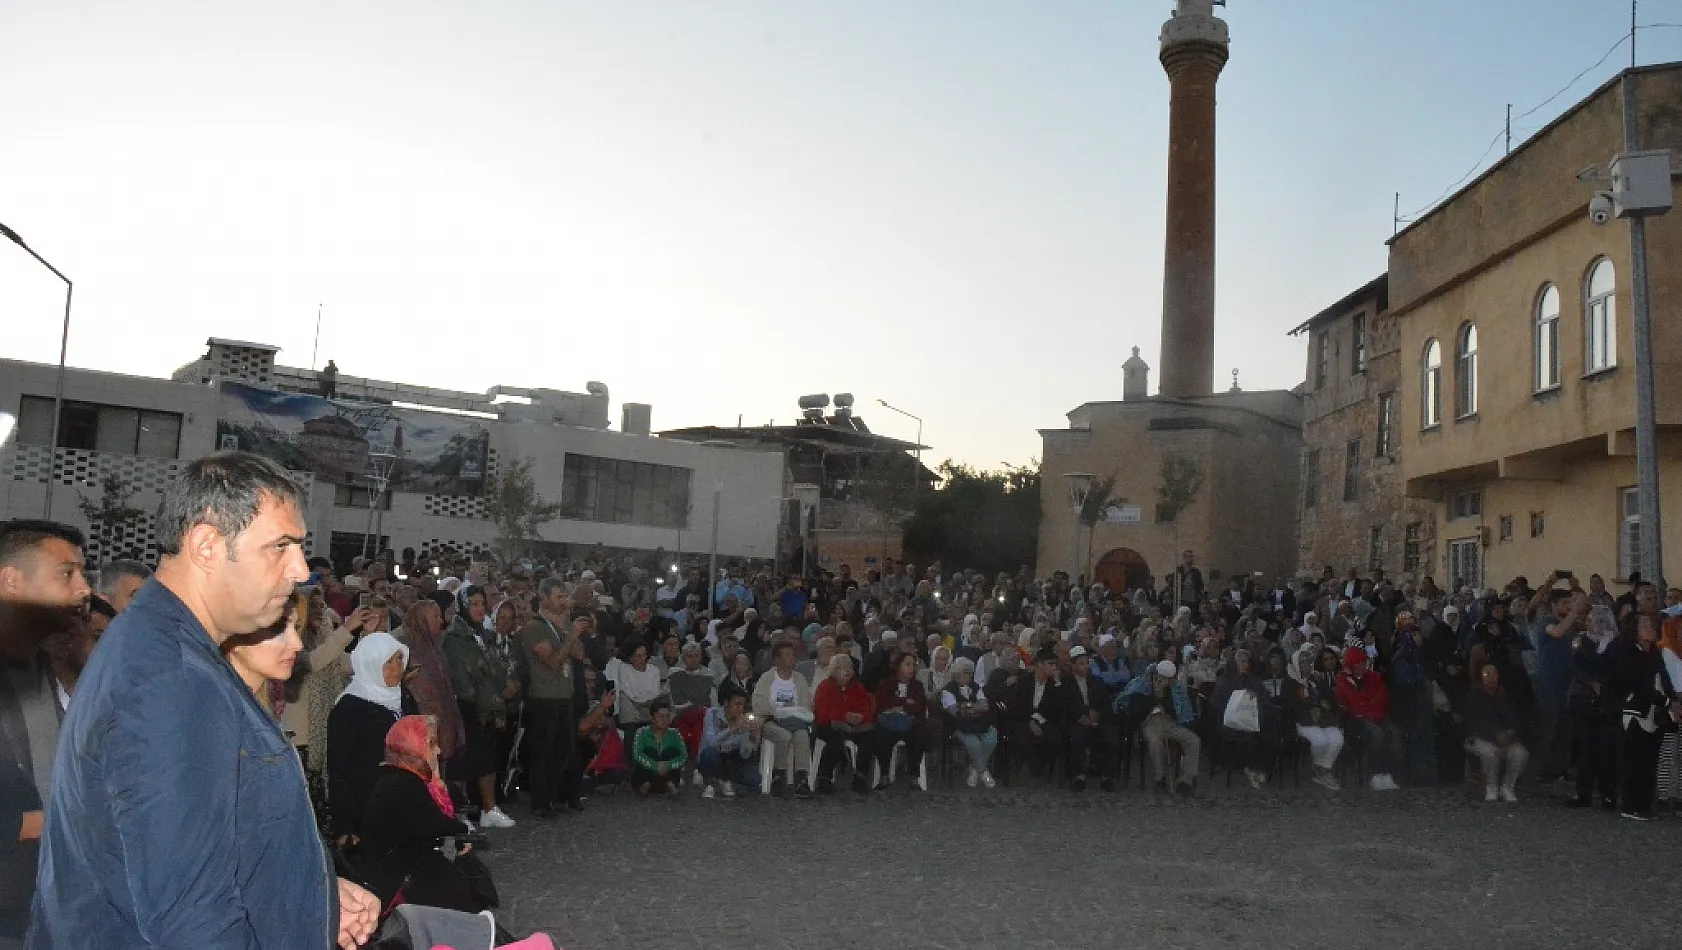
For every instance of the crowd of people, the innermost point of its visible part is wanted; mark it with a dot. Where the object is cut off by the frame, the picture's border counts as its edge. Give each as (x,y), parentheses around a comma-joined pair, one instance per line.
(424,692)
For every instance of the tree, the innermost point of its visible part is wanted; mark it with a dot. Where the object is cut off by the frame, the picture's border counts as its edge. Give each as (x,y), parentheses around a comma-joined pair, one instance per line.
(982,520)
(1099,498)
(108,516)
(516,508)
(1182,479)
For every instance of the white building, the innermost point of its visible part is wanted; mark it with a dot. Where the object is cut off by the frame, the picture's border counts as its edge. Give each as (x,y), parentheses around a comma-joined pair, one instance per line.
(623,490)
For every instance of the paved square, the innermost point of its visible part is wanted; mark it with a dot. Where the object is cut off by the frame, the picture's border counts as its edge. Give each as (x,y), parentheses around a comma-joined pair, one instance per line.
(1038,868)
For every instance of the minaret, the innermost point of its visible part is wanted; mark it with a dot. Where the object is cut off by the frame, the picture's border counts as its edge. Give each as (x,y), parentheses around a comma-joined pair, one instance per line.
(1194,48)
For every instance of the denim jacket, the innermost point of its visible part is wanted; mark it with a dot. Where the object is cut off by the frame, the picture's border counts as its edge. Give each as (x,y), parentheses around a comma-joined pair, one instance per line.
(179,816)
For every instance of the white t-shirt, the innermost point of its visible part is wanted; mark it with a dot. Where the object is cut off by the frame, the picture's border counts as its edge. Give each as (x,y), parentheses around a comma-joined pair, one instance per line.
(783,692)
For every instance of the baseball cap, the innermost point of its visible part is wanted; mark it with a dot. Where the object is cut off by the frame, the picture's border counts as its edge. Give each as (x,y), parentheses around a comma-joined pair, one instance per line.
(1167,670)
(1077,653)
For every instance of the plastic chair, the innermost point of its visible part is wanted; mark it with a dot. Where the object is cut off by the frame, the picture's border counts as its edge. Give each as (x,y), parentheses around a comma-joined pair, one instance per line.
(893,766)
(768,763)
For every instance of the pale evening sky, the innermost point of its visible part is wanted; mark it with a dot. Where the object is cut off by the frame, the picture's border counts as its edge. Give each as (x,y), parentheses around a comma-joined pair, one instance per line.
(714,207)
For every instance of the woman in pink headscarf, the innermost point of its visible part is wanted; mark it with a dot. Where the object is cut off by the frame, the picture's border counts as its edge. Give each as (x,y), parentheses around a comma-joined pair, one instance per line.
(408,816)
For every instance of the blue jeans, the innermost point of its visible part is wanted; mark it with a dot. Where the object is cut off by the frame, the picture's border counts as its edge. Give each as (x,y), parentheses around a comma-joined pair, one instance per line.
(980,747)
(733,768)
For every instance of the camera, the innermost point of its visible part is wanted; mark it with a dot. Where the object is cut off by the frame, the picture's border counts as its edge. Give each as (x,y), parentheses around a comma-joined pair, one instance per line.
(1600,208)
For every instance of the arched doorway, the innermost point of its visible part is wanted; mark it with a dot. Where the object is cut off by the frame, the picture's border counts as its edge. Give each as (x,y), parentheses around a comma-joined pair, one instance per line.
(1122,569)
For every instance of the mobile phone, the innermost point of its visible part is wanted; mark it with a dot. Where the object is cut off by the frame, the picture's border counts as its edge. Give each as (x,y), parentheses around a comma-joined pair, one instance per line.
(365,600)
(1564,575)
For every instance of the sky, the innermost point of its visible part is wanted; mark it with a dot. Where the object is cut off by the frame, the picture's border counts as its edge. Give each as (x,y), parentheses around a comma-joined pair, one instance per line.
(956,206)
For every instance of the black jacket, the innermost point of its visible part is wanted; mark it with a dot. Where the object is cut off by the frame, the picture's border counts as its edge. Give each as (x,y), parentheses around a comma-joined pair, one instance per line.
(1055,703)
(18,795)
(356,732)
(401,832)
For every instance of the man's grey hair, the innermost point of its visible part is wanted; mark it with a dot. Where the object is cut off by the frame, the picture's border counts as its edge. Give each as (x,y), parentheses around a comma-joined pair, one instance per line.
(552,583)
(224,491)
(115,571)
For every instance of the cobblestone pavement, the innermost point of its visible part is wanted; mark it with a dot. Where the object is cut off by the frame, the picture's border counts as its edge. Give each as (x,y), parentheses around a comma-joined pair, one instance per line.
(949,869)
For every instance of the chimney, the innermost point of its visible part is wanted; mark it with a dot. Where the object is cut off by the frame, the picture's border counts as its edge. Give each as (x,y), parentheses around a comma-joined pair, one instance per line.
(636,418)
(1135,378)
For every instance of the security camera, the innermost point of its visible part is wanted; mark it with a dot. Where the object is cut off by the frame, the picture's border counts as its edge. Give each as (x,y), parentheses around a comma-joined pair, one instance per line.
(1600,208)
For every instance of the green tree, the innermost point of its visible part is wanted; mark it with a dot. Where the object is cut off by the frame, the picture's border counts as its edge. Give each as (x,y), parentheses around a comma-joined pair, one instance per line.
(1181,481)
(108,516)
(1099,498)
(983,520)
(516,508)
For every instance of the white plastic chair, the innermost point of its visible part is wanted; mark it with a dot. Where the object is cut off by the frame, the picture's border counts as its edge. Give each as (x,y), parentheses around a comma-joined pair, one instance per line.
(768,763)
(893,766)
(817,755)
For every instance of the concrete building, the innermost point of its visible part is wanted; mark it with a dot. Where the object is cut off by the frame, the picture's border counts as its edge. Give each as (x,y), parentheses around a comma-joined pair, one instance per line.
(1516,414)
(1353,513)
(622,491)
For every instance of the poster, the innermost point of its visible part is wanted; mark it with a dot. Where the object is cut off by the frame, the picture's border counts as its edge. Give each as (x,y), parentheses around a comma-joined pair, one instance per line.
(344,442)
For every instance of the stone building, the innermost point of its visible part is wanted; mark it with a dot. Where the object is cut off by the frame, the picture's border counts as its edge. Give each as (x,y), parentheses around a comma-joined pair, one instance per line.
(1516,406)
(1353,512)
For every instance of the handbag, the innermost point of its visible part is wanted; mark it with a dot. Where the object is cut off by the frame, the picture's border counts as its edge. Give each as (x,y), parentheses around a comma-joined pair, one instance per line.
(1243,713)
(895,720)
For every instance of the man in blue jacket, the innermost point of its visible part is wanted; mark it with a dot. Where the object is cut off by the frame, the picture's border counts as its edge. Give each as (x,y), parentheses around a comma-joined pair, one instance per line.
(179,815)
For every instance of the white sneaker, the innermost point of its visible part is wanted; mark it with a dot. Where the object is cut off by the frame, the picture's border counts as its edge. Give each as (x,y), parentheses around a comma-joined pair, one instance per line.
(1390,783)
(707,792)
(987,779)
(1491,793)
(1508,794)
(495,818)
(1255,778)
(727,790)
(974,776)
(1327,781)
(1376,783)
(698,778)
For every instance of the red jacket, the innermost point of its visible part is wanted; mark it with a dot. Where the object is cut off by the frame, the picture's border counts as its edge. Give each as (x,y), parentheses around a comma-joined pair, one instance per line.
(1368,699)
(914,702)
(831,704)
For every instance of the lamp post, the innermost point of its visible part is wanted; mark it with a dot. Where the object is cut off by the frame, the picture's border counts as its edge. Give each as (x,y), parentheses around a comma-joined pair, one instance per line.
(379,475)
(712,560)
(58,384)
(1080,485)
(917,485)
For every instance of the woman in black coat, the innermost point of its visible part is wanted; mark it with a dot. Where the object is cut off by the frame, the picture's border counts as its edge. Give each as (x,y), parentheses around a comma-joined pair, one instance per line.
(409,814)
(357,727)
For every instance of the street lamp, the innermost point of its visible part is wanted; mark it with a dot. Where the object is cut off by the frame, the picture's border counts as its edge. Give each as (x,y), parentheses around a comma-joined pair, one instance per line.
(58,385)
(1080,486)
(379,476)
(918,484)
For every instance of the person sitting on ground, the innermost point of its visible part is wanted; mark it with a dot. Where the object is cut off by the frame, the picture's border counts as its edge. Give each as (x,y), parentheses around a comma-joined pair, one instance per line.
(783,701)
(1040,709)
(729,748)
(408,815)
(658,753)
(358,725)
(843,711)
(1170,716)
(1249,726)
(1094,741)
(1366,707)
(637,681)
(901,716)
(972,717)
(1493,722)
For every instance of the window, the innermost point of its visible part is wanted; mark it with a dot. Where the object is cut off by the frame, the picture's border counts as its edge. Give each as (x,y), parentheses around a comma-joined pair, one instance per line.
(1506,524)
(1311,480)
(1375,549)
(97,428)
(1465,563)
(1410,546)
(624,492)
(1322,357)
(1600,314)
(1431,387)
(1386,424)
(1629,532)
(1466,371)
(1547,339)
(1352,469)
(1464,505)
(1537,524)
(1358,329)
(359,496)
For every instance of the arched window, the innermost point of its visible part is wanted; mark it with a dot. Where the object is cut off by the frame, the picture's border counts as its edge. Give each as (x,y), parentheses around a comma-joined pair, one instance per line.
(1431,386)
(1547,339)
(1465,371)
(1600,316)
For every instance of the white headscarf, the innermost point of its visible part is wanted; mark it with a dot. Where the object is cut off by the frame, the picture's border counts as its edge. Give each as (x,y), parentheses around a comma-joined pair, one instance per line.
(367,664)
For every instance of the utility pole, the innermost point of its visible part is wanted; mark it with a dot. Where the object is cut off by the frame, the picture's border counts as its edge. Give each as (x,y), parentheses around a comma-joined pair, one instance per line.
(1646,430)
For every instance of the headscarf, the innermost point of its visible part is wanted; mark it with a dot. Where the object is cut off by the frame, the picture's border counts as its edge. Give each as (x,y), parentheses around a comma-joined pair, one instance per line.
(938,678)
(431,686)
(406,748)
(367,665)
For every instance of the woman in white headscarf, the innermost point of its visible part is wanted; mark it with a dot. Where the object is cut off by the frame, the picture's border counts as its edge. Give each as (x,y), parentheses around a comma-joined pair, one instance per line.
(356,730)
